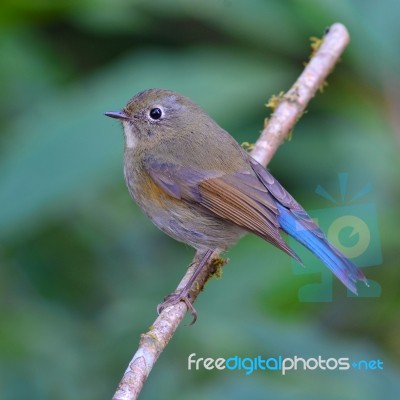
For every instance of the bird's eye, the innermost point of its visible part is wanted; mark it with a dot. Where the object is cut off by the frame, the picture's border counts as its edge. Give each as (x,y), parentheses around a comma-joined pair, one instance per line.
(155,113)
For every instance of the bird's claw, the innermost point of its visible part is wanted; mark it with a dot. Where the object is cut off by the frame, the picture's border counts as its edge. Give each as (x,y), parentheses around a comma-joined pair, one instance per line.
(175,298)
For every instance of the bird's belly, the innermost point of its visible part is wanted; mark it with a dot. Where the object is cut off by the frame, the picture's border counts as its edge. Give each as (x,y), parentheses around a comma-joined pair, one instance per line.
(197,227)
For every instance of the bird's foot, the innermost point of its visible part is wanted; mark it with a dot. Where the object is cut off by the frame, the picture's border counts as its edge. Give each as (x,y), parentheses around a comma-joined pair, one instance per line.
(175,298)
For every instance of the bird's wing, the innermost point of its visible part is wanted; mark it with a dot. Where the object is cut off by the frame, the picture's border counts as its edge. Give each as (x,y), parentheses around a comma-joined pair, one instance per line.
(240,197)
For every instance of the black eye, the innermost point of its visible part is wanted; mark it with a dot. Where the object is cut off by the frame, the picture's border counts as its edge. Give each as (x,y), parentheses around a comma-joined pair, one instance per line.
(155,113)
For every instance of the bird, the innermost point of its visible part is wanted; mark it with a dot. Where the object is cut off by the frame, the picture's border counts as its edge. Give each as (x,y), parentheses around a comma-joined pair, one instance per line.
(198,185)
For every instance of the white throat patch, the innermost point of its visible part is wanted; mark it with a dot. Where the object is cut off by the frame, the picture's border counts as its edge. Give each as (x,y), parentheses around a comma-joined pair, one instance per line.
(130,138)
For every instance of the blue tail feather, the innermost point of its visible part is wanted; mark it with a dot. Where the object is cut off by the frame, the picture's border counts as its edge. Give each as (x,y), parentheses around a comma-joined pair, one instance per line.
(340,265)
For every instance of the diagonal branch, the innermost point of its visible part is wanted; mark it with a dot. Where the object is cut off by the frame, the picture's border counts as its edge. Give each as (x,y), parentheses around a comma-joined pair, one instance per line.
(293,103)
(288,109)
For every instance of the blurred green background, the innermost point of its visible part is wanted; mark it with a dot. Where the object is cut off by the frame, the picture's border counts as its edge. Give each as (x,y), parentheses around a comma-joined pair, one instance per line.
(82,269)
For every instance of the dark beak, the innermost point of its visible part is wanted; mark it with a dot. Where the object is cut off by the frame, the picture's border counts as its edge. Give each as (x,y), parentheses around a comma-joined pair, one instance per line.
(117,115)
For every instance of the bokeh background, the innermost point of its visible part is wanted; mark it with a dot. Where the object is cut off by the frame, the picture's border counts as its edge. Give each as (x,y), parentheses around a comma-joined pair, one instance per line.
(82,269)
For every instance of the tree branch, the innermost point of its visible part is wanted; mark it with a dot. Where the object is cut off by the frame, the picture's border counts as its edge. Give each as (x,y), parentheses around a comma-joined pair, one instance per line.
(288,110)
(292,105)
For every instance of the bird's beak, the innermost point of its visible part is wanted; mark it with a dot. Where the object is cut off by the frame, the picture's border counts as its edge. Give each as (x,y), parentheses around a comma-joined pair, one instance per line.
(117,115)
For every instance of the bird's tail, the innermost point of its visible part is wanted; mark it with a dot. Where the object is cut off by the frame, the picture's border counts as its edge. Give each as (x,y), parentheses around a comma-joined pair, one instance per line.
(315,241)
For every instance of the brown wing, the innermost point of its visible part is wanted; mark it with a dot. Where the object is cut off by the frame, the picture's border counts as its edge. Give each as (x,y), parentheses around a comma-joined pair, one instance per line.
(239,198)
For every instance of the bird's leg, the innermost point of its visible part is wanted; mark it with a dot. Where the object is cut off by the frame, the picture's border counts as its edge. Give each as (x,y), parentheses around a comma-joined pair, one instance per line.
(184,293)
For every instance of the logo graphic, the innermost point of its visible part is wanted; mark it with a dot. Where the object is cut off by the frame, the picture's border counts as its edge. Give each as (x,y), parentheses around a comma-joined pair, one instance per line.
(282,364)
(352,227)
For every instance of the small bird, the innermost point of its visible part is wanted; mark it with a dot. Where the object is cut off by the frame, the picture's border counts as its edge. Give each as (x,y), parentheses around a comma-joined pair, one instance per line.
(198,185)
